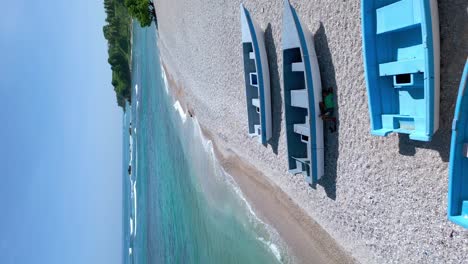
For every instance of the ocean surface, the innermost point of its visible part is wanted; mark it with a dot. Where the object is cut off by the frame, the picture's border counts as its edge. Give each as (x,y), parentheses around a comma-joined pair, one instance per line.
(180,206)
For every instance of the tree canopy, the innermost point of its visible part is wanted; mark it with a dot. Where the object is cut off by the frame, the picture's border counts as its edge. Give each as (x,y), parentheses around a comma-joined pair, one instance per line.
(117,33)
(141,10)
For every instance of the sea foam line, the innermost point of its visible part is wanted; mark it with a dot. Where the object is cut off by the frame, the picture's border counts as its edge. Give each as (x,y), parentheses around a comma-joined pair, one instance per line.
(272,246)
(179,109)
(209,149)
(164,77)
(177,105)
(135,214)
(131,146)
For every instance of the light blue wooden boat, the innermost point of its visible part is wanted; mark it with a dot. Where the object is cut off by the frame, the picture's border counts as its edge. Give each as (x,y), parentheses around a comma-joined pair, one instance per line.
(458,170)
(302,95)
(257,78)
(401,58)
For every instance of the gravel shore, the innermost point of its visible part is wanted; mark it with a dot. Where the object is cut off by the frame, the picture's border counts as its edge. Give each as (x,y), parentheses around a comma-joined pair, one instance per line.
(383,200)
(302,239)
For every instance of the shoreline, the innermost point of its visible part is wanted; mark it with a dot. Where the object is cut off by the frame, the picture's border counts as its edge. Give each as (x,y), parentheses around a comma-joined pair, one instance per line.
(381,198)
(305,239)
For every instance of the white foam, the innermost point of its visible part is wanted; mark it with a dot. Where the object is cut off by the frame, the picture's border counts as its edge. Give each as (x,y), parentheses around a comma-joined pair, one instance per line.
(179,108)
(130,151)
(135,206)
(130,251)
(136,163)
(164,77)
(273,248)
(131,226)
(137,104)
(136,88)
(208,147)
(207,144)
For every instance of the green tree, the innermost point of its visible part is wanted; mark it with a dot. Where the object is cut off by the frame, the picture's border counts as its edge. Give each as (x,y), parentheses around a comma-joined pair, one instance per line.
(142,10)
(117,33)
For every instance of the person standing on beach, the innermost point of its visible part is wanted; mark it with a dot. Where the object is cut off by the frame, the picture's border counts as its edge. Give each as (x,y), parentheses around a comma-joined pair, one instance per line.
(327,107)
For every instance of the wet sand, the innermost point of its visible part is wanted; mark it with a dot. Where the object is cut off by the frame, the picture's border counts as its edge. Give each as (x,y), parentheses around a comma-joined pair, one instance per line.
(306,239)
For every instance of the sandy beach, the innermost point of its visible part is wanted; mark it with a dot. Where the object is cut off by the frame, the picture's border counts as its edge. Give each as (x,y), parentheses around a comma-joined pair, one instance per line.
(306,240)
(382,200)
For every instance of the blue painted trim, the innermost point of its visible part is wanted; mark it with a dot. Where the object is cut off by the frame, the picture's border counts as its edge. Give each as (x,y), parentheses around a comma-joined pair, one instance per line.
(454,192)
(310,89)
(428,43)
(365,40)
(459,220)
(261,85)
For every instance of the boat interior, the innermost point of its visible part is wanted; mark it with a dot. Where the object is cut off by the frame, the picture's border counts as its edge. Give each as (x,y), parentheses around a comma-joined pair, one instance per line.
(398,80)
(297,111)
(252,92)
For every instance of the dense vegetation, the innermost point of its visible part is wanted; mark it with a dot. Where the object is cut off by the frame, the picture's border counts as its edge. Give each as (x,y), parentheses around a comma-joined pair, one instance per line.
(117,31)
(142,10)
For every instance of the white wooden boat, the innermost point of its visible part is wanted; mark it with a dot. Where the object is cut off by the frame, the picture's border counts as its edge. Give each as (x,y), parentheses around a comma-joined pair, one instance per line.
(257,78)
(302,95)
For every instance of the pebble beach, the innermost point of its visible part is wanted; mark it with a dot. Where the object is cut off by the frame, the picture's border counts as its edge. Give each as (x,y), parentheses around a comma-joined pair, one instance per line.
(382,199)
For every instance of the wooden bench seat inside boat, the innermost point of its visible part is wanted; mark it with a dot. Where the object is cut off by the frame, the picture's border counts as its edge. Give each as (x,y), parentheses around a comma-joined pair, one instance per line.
(400,15)
(256,102)
(302,129)
(402,123)
(302,166)
(299,98)
(297,66)
(401,67)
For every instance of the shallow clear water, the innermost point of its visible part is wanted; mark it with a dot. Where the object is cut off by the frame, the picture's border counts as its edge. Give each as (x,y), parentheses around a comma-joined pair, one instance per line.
(180,206)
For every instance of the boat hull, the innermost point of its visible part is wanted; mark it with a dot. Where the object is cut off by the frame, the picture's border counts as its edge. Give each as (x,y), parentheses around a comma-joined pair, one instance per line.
(458,167)
(402,66)
(257,78)
(303,94)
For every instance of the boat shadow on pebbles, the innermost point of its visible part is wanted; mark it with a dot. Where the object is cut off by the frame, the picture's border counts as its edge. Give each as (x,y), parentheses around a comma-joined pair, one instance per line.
(452,22)
(440,142)
(275,86)
(328,77)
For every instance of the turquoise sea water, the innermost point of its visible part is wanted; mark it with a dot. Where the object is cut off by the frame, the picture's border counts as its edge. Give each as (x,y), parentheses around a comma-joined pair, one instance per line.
(180,206)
